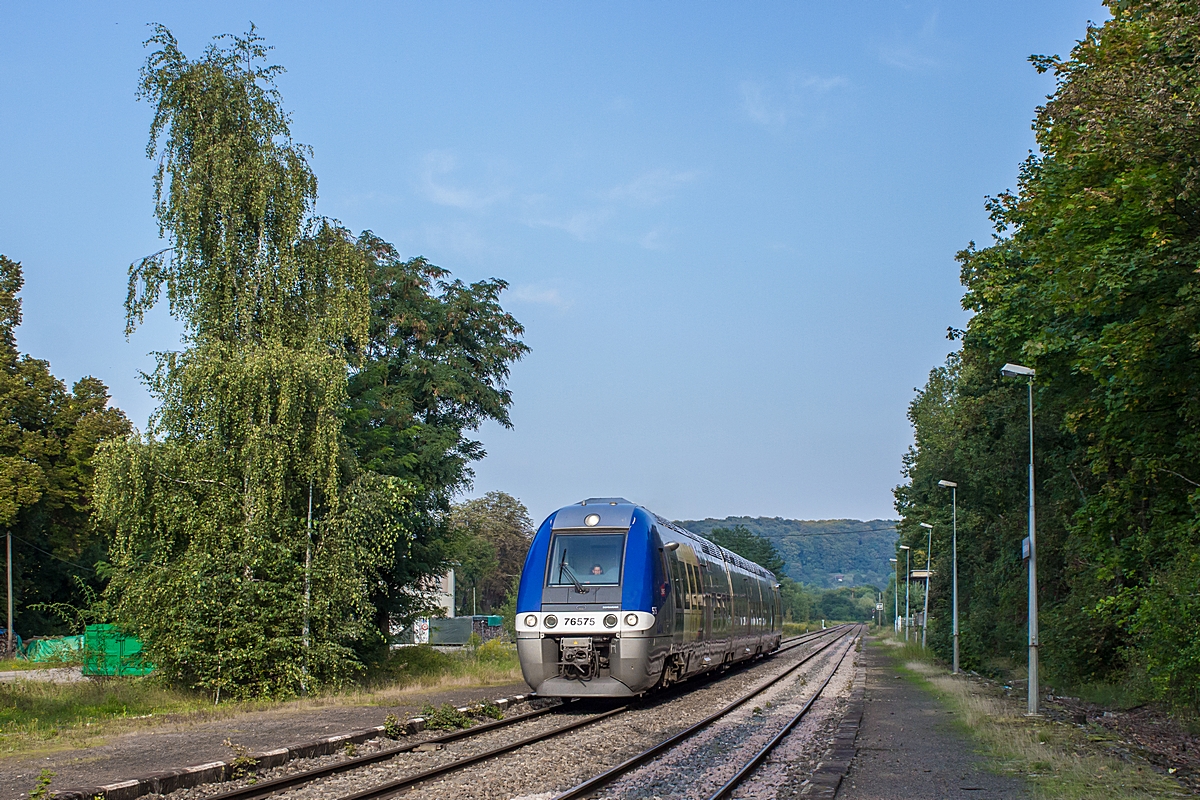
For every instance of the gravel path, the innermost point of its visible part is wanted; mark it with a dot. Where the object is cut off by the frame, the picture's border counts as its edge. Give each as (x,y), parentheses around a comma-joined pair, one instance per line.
(907,746)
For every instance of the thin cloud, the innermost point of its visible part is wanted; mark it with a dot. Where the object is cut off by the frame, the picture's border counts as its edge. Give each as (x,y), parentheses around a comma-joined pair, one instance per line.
(822,85)
(912,52)
(533,295)
(774,109)
(654,239)
(583,225)
(652,188)
(760,107)
(438,164)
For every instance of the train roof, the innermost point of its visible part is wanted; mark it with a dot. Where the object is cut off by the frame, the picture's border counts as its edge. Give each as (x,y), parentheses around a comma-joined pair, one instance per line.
(617,512)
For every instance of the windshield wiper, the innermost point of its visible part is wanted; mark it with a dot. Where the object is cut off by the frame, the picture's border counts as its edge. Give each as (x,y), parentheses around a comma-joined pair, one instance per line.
(562,566)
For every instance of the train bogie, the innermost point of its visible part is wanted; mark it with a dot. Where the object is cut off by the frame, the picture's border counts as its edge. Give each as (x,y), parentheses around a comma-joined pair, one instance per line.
(614,601)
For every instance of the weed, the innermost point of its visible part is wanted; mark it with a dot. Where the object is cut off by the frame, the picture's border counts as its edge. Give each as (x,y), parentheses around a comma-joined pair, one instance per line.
(756,710)
(42,790)
(496,651)
(242,762)
(350,749)
(488,710)
(445,718)
(393,728)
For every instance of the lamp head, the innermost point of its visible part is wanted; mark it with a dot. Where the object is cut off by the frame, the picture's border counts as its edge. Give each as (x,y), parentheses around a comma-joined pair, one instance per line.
(1017,371)
(948,484)
(892,560)
(926,525)
(905,547)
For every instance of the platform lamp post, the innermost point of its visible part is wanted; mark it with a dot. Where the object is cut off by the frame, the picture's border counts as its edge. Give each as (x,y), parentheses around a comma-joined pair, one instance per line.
(1018,371)
(907,552)
(928,564)
(896,596)
(9,631)
(953,487)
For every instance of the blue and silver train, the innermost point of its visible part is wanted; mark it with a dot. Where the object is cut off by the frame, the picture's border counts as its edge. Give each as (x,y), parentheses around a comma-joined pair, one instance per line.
(614,601)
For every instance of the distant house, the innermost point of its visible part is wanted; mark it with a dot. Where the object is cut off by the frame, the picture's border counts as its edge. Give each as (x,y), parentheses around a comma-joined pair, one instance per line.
(442,590)
(439,590)
(838,576)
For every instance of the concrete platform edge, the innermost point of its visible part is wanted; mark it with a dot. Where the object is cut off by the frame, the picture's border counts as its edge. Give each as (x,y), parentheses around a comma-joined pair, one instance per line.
(172,780)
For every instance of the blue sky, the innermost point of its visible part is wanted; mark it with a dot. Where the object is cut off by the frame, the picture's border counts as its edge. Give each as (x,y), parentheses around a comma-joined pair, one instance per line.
(729,229)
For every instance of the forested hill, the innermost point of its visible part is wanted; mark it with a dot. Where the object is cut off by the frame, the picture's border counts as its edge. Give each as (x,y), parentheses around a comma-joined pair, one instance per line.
(819,552)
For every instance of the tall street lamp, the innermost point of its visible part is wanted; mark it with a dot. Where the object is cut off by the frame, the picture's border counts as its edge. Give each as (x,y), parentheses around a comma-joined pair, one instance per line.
(906,550)
(953,487)
(896,596)
(928,552)
(1018,371)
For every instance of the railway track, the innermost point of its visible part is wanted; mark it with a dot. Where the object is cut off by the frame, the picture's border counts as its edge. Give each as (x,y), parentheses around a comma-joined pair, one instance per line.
(303,778)
(591,786)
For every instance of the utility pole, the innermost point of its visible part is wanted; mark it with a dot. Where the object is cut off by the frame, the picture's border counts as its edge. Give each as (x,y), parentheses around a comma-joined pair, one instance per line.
(308,577)
(11,647)
(928,565)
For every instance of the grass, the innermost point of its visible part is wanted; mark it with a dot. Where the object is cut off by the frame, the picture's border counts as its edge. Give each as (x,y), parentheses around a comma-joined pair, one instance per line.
(796,628)
(18,664)
(37,716)
(1059,761)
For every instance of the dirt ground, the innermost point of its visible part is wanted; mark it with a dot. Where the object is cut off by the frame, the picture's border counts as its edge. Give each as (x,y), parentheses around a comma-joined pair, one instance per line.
(1146,731)
(180,742)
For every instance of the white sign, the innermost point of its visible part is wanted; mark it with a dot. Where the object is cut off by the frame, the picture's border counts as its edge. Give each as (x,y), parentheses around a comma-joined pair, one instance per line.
(879,606)
(421,631)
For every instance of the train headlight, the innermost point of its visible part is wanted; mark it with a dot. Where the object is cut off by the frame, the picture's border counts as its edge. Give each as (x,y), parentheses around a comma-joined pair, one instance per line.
(530,621)
(631,619)
(550,620)
(591,520)
(610,621)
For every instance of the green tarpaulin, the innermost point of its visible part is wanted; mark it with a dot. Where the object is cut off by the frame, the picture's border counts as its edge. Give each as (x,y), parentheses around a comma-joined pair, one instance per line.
(54,648)
(107,651)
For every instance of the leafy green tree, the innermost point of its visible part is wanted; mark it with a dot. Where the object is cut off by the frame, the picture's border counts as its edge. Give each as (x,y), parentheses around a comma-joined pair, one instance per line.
(494,532)
(817,552)
(1092,279)
(433,368)
(246,539)
(848,604)
(47,440)
(796,600)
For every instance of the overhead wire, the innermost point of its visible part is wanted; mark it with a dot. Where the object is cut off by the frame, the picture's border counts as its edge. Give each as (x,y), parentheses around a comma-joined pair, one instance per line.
(47,552)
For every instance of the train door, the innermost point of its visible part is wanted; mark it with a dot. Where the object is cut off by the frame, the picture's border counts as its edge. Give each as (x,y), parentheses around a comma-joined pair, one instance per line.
(758,612)
(743,613)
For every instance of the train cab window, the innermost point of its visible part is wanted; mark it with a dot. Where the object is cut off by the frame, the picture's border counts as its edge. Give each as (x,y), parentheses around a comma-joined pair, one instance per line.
(586,558)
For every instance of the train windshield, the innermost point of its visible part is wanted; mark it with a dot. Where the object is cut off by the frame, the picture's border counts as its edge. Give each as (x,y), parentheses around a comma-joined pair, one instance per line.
(586,558)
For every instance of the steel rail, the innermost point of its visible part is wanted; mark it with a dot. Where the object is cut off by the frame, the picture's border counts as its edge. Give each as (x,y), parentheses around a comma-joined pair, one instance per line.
(630,764)
(264,788)
(753,764)
(399,784)
(391,787)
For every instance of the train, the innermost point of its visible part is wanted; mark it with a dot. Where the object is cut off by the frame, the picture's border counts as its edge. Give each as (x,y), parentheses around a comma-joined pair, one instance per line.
(615,601)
